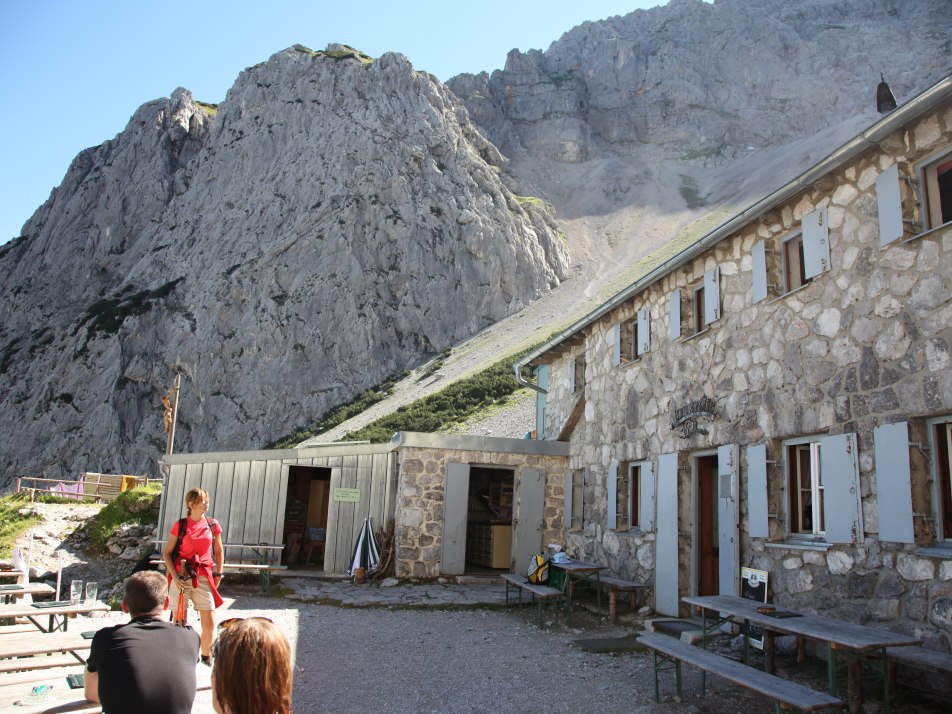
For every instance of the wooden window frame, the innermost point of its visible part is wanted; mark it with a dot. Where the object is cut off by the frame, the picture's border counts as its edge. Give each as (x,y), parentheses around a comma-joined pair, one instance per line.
(804,456)
(935,185)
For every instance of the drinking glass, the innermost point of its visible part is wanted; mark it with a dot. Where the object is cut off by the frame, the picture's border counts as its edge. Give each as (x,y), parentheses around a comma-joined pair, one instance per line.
(92,590)
(75,591)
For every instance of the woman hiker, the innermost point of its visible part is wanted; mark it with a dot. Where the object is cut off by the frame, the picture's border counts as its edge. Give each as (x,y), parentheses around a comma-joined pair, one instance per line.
(188,559)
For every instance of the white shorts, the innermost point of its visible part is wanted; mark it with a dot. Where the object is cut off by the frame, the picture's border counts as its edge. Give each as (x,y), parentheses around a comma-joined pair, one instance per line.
(201,596)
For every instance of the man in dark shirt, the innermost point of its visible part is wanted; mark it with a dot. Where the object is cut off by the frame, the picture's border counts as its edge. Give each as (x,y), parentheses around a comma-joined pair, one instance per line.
(148,664)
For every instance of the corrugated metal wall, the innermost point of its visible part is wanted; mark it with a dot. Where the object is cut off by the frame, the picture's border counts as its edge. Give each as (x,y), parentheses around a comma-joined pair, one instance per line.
(248,492)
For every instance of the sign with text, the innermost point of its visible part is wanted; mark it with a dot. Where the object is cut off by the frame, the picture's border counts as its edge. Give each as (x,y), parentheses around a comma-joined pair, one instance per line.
(753,586)
(686,416)
(347,495)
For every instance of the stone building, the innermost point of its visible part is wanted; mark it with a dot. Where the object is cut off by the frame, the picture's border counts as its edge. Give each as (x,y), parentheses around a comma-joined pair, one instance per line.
(779,395)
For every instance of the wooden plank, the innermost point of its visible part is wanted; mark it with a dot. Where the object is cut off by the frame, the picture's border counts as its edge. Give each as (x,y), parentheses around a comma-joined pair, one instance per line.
(268,503)
(348,525)
(330,549)
(240,483)
(220,507)
(921,658)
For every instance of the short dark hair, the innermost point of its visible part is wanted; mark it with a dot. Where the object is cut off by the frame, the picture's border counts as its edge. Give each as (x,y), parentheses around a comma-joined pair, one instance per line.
(145,592)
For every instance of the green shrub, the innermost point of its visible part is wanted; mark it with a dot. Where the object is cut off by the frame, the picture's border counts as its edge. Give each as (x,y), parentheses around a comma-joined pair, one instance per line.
(13,523)
(452,405)
(137,506)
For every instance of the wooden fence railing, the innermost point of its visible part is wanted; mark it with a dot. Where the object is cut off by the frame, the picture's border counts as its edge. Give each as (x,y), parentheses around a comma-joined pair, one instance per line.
(101,487)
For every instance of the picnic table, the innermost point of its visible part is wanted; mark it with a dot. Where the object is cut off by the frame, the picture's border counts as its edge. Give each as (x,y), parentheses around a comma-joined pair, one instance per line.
(263,559)
(581,571)
(20,651)
(58,612)
(859,643)
(12,574)
(15,695)
(11,592)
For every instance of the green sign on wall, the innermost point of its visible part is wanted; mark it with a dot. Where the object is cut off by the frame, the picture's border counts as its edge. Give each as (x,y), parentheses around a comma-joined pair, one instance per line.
(349,495)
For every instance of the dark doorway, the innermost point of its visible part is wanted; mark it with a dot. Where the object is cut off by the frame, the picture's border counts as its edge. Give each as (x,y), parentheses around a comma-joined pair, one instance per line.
(489,520)
(305,516)
(706,532)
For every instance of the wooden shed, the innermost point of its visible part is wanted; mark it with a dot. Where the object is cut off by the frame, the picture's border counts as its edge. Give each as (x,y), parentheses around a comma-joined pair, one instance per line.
(284,496)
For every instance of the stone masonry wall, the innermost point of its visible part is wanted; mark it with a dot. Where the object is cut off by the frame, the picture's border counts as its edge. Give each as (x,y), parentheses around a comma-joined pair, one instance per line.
(866,343)
(420,498)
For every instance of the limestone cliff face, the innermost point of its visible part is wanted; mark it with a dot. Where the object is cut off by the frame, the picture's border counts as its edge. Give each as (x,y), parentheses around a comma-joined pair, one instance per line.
(331,223)
(694,85)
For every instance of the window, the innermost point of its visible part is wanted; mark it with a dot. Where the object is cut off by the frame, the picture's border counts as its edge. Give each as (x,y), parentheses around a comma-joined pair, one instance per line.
(574,500)
(802,256)
(823,501)
(794,268)
(943,472)
(806,489)
(936,186)
(577,374)
(631,339)
(630,496)
(705,306)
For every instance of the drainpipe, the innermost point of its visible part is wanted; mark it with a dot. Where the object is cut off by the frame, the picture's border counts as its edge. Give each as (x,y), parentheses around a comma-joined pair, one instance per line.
(517,368)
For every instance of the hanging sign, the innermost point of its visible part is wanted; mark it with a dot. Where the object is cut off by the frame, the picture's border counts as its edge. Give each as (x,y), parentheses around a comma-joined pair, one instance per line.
(686,417)
(348,495)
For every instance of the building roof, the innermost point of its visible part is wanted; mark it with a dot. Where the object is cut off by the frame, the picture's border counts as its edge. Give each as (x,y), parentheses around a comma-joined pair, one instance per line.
(862,142)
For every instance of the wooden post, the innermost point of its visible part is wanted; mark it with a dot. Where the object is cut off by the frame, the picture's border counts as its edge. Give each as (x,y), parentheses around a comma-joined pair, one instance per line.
(175,399)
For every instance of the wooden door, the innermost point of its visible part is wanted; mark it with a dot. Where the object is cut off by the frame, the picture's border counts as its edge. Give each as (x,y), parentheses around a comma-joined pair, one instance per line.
(706,532)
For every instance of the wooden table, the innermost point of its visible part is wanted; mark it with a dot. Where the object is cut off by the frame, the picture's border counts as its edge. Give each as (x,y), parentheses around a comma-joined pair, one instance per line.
(63,698)
(11,574)
(858,642)
(11,592)
(58,616)
(29,645)
(579,570)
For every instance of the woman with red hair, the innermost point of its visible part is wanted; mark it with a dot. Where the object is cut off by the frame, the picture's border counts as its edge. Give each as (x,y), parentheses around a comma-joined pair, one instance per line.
(252,673)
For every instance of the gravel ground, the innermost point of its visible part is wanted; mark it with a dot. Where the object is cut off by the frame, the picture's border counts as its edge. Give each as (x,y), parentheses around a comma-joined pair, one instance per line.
(393,659)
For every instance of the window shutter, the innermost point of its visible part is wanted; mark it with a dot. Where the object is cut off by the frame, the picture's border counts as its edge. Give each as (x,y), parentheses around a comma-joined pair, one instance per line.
(644,333)
(567,504)
(646,497)
(674,315)
(758,258)
(889,202)
(542,379)
(667,568)
(757,526)
(571,376)
(616,345)
(894,483)
(839,471)
(816,243)
(612,520)
(712,295)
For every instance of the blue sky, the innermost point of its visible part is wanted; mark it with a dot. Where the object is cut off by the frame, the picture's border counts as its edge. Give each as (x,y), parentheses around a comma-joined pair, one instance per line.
(74,71)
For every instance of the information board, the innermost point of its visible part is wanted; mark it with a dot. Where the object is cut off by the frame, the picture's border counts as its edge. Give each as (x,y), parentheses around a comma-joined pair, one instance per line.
(753,586)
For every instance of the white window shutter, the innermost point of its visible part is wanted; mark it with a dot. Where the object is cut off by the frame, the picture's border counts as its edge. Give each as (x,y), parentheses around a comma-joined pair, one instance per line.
(757,526)
(542,379)
(667,568)
(894,483)
(674,314)
(616,345)
(612,519)
(567,505)
(646,500)
(842,506)
(889,202)
(571,376)
(758,259)
(644,331)
(816,243)
(712,295)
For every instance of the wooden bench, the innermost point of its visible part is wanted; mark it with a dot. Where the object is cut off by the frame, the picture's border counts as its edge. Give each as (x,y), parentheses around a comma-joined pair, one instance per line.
(540,593)
(786,694)
(922,658)
(618,585)
(263,569)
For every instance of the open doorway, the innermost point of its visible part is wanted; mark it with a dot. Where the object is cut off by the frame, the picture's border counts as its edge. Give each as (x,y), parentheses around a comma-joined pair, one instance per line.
(706,534)
(489,520)
(305,516)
